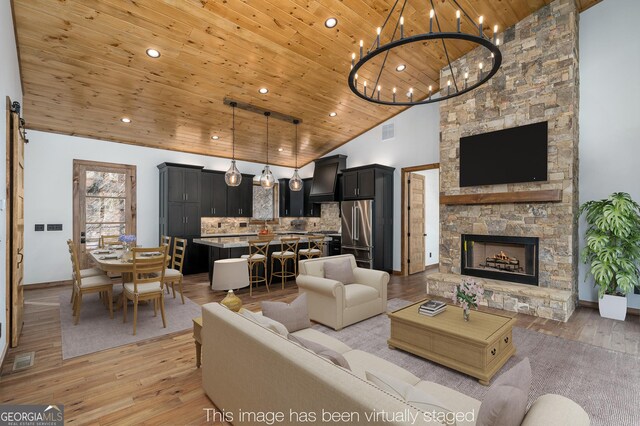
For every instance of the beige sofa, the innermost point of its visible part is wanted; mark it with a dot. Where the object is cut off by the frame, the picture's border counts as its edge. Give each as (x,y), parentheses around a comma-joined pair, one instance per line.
(253,374)
(337,305)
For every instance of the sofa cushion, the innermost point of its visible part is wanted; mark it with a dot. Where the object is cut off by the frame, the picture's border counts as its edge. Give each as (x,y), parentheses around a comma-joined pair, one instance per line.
(339,270)
(323,339)
(321,350)
(455,401)
(357,294)
(505,403)
(265,322)
(412,395)
(361,362)
(294,315)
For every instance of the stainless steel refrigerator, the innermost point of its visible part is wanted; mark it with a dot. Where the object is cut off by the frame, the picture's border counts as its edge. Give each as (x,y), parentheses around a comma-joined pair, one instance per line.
(357,231)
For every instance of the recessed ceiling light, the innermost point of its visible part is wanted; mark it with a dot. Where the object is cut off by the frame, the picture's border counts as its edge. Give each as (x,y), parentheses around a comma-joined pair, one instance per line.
(331,22)
(333,114)
(401,67)
(215,137)
(125,120)
(280,149)
(153,53)
(263,90)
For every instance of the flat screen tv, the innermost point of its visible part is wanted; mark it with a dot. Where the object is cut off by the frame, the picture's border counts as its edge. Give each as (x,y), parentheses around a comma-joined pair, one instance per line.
(512,155)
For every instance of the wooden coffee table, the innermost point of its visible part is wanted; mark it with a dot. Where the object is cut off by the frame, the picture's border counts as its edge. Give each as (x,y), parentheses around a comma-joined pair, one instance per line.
(478,347)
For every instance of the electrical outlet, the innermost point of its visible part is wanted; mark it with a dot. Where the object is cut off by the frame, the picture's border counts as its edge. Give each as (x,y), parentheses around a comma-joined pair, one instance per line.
(219,224)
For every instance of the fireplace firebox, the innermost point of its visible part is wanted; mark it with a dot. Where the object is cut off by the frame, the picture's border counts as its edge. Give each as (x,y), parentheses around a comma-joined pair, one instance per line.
(500,257)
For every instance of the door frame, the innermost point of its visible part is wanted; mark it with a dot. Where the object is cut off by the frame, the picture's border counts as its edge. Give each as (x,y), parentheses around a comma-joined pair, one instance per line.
(7,245)
(404,223)
(77,165)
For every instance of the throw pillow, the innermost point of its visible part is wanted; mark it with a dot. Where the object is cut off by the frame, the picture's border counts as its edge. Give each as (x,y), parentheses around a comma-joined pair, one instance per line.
(294,316)
(265,322)
(505,403)
(339,270)
(412,395)
(321,350)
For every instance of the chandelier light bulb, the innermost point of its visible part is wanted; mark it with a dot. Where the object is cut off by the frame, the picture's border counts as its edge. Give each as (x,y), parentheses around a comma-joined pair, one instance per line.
(394,90)
(466,75)
(458,20)
(495,28)
(431,13)
(295,183)
(378,31)
(402,27)
(233,177)
(361,46)
(266,179)
(481,19)
(480,66)
(430,88)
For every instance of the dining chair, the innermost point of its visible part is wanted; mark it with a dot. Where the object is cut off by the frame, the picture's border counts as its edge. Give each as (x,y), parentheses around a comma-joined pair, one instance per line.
(107,240)
(166,240)
(147,282)
(101,284)
(174,273)
(84,273)
(315,248)
(258,253)
(288,250)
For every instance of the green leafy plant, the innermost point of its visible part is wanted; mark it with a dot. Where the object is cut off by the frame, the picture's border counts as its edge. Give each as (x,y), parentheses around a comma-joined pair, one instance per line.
(612,243)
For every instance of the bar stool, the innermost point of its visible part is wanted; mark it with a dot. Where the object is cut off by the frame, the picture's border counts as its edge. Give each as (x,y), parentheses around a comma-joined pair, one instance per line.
(258,252)
(288,250)
(315,248)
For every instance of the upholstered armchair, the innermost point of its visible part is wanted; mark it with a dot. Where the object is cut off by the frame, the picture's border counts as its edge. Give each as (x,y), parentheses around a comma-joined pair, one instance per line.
(336,304)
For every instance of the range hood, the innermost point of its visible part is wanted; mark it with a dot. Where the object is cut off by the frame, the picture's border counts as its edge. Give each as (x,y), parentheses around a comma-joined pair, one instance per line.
(325,186)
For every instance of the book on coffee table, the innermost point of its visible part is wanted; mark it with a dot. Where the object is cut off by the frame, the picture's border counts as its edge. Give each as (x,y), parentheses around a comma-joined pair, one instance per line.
(432,308)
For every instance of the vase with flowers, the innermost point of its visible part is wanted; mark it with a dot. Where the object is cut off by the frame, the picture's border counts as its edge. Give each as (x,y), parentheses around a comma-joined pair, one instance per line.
(468,294)
(128,241)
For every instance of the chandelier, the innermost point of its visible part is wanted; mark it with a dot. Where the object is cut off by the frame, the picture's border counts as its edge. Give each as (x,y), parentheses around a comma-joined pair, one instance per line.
(393,29)
(295,183)
(266,178)
(233,177)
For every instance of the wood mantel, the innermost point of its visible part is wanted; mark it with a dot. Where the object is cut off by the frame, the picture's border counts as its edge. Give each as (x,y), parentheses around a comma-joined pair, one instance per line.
(541,196)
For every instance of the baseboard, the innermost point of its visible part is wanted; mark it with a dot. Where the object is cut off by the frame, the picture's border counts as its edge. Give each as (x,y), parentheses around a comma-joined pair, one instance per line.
(4,351)
(594,305)
(47,285)
(394,272)
(433,267)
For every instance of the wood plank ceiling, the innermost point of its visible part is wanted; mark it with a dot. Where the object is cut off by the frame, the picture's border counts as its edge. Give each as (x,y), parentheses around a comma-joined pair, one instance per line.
(84,67)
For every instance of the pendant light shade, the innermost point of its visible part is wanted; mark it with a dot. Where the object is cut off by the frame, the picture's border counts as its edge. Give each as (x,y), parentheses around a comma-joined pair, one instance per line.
(233,177)
(266,178)
(295,183)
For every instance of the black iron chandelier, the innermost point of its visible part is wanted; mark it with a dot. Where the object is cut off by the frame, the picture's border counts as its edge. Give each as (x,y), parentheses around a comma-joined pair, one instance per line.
(407,96)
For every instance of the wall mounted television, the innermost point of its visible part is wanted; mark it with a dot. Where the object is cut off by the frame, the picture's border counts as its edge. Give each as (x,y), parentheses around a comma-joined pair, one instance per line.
(511,155)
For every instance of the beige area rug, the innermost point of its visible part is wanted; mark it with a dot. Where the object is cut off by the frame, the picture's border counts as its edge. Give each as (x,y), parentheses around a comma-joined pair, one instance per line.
(605,383)
(97,332)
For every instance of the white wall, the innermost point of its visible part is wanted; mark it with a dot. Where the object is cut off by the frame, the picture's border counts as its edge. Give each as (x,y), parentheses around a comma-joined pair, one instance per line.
(49,196)
(609,111)
(431,215)
(9,86)
(416,142)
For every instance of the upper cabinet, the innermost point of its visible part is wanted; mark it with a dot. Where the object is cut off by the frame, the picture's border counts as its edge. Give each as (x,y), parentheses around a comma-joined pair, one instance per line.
(310,209)
(291,202)
(240,198)
(184,183)
(213,194)
(358,183)
(179,199)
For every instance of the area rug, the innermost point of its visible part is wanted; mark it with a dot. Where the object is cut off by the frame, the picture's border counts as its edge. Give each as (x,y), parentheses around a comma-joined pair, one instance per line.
(97,332)
(605,383)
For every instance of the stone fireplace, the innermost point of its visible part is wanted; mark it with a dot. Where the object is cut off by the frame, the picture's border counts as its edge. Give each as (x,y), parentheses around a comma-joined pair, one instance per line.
(500,257)
(538,81)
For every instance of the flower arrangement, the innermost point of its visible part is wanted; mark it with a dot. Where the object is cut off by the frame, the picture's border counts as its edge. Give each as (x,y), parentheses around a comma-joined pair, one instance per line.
(127,239)
(468,293)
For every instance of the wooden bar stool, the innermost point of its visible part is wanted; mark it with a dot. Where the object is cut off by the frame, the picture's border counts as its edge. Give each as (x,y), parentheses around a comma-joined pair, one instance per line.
(258,252)
(288,250)
(315,248)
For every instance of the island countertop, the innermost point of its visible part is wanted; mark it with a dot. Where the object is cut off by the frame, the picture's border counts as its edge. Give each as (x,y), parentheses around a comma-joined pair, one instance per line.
(243,241)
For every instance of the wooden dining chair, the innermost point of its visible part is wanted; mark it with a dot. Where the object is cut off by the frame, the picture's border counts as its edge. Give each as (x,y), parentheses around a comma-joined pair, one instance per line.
(173,274)
(288,250)
(315,248)
(107,240)
(84,273)
(165,240)
(258,253)
(88,284)
(147,284)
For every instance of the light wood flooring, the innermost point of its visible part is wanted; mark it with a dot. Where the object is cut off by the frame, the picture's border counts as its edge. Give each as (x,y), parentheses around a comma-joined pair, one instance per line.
(156,382)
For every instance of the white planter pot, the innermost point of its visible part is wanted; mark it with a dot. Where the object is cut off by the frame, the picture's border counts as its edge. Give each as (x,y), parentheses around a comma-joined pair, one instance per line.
(614,307)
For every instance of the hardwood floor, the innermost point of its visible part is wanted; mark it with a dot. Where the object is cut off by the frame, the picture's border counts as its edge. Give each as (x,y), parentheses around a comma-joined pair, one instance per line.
(156,382)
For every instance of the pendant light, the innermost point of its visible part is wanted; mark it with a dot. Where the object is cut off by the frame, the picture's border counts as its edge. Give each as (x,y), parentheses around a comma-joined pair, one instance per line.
(233,177)
(295,183)
(266,179)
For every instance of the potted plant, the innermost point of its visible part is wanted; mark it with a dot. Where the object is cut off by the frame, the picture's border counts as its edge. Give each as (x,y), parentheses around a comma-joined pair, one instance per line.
(468,293)
(612,250)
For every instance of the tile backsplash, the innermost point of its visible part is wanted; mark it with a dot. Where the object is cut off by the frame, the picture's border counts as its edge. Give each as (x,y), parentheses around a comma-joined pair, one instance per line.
(329,221)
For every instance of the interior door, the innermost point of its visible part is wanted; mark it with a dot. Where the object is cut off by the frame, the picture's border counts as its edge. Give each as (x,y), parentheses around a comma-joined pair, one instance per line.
(104,203)
(16,237)
(416,214)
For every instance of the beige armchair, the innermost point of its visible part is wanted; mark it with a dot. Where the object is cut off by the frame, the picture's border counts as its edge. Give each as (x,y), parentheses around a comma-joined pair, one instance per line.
(335,304)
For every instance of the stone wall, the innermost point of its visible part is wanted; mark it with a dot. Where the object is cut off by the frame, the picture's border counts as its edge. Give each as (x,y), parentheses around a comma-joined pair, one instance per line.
(538,81)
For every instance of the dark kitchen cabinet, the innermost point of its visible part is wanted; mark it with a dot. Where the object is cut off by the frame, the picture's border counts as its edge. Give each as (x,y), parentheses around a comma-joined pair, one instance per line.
(291,202)
(358,184)
(310,209)
(183,219)
(240,198)
(183,184)
(213,194)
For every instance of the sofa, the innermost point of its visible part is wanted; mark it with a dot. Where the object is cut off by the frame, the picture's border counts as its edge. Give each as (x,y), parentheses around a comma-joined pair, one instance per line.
(336,304)
(256,376)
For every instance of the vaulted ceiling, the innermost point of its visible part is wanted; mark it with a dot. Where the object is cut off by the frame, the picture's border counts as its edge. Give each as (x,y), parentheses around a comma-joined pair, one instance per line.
(84,67)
